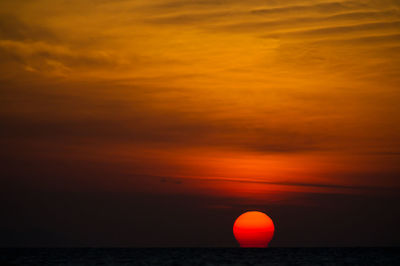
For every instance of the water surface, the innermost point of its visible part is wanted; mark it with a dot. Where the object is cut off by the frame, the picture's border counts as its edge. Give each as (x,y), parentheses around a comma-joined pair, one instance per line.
(200,256)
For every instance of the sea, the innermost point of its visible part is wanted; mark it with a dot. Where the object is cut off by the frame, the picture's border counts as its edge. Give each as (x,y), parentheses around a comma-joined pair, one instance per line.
(199,256)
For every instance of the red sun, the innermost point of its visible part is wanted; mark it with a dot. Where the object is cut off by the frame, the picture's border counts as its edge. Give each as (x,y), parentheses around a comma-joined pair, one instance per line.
(253,229)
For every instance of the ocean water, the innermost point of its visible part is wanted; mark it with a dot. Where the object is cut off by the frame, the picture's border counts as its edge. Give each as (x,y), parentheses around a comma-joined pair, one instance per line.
(200,256)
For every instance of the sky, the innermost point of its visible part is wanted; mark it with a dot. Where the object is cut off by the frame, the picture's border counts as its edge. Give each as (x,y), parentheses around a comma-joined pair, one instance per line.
(133,123)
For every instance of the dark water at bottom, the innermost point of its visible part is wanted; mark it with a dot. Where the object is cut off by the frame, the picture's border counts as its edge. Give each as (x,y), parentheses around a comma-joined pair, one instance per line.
(200,256)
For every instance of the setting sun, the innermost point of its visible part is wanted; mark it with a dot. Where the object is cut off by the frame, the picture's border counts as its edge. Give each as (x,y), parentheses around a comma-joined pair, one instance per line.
(253,229)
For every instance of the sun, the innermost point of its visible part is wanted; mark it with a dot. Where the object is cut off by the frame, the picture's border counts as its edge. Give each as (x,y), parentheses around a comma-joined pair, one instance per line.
(253,229)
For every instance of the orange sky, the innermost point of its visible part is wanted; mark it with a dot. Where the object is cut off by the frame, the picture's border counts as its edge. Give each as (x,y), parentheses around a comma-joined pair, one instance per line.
(251,99)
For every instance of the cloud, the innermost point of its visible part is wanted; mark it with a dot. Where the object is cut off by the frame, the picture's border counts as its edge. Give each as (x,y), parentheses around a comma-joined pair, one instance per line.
(207,86)
(14,29)
(191,18)
(172,129)
(55,59)
(387,189)
(329,7)
(287,16)
(282,25)
(329,32)
(382,40)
